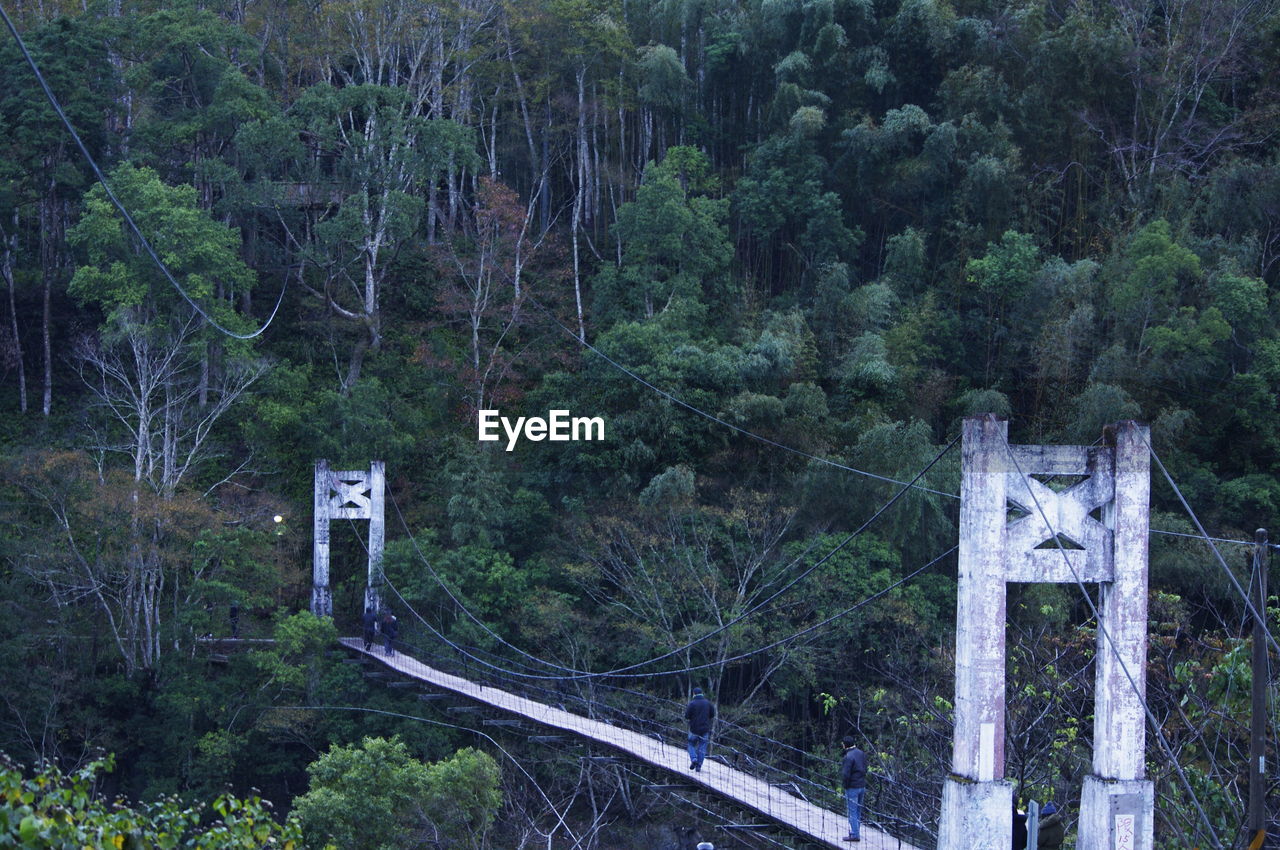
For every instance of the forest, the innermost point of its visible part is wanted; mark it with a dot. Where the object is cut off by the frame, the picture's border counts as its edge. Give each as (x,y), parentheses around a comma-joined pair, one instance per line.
(780,248)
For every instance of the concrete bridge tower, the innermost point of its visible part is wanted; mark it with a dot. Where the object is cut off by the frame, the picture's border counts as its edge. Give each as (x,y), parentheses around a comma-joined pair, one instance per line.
(1094,531)
(347,494)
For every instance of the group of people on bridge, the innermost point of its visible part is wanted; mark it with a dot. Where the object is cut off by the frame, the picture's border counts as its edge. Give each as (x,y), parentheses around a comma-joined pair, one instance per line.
(1050,828)
(385,625)
(700,714)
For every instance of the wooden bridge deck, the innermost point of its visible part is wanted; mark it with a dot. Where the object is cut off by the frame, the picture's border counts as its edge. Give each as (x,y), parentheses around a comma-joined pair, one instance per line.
(815,823)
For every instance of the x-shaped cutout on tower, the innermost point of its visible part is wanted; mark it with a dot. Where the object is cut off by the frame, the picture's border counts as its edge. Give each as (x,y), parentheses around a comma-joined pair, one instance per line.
(350,497)
(1057,524)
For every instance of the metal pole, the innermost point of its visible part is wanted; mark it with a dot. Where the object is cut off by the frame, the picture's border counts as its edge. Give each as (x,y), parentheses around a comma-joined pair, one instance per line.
(1258,726)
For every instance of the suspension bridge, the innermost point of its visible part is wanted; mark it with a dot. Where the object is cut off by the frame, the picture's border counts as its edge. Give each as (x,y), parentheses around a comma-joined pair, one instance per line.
(1014,527)
(778,805)
(1107,512)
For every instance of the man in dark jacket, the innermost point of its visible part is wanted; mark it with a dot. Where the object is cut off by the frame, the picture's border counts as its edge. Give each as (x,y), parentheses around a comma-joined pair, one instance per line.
(700,712)
(853,778)
(1019,828)
(390,630)
(369,620)
(1052,829)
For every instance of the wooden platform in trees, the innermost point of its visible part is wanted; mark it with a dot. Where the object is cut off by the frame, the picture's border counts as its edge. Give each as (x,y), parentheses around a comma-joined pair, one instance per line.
(820,825)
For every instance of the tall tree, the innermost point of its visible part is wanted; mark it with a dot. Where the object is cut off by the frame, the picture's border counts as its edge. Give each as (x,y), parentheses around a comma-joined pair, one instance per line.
(675,243)
(372,154)
(40,161)
(142,369)
(190,71)
(677,571)
(143,366)
(1184,62)
(485,266)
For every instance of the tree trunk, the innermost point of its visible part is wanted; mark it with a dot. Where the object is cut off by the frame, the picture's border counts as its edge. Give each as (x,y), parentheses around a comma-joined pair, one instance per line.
(6,268)
(50,236)
(544,187)
(453,182)
(493,137)
(433,200)
(646,138)
(581,167)
(205,355)
(537,171)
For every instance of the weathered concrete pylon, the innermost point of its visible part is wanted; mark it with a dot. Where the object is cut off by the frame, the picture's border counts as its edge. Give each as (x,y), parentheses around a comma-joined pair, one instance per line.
(1102,520)
(347,495)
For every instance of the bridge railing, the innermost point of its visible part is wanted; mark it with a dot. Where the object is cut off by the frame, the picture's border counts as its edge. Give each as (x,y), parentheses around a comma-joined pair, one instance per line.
(814,778)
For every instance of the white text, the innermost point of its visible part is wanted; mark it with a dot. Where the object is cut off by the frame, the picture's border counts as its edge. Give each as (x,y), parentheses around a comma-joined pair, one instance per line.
(559,426)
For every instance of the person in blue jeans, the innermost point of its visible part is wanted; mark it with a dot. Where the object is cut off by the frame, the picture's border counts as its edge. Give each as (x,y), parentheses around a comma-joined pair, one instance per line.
(853,778)
(700,712)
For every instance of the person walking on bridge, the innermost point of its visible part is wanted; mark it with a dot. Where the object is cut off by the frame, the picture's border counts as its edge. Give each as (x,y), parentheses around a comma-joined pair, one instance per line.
(700,713)
(369,620)
(390,630)
(853,778)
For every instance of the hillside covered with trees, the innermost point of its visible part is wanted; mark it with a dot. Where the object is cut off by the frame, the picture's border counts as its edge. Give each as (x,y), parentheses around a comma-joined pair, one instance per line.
(775,245)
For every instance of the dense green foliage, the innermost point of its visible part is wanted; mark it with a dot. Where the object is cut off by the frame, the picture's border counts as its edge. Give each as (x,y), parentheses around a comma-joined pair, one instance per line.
(56,810)
(837,225)
(378,797)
